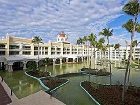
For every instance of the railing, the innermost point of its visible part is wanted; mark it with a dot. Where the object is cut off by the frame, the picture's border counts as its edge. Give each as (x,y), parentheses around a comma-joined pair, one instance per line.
(11,92)
(2,47)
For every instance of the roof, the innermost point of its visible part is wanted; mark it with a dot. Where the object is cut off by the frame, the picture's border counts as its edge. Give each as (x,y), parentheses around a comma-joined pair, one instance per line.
(62,34)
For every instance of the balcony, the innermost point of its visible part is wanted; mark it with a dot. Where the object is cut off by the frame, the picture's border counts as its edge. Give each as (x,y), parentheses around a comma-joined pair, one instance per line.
(2,46)
(26,47)
(13,46)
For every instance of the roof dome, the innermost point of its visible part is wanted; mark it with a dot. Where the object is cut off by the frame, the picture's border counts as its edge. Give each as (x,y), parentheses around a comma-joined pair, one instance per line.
(62,34)
(62,37)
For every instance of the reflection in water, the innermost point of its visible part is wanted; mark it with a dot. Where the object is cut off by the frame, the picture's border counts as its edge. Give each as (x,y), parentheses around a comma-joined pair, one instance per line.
(23,85)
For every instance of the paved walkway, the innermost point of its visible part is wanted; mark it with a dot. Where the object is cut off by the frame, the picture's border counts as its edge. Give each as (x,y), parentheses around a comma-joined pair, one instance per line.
(4,98)
(39,98)
(8,90)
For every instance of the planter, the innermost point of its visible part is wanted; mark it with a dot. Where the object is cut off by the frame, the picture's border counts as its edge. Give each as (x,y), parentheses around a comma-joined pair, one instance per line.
(89,94)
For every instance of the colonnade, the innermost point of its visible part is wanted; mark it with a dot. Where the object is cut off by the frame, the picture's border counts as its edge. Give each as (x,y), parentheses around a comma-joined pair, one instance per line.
(9,65)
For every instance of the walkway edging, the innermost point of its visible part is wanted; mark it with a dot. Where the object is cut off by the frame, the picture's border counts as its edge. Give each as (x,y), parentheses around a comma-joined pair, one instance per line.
(42,84)
(60,85)
(89,94)
(47,88)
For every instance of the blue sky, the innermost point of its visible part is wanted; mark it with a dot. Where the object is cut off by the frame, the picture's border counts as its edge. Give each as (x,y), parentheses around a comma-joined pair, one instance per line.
(77,18)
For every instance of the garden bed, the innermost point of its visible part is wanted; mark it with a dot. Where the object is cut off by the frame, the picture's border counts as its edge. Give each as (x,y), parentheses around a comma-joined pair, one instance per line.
(69,75)
(121,67)
(38,74)
(95,72)
(107,95)
(53,82)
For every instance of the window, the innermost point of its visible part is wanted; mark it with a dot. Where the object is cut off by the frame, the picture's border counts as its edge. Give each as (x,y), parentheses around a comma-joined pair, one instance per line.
(26,53)
(35,52)
(13,52)
(2,52)
(35,48)
(2,46)
(13,46)
(27,47)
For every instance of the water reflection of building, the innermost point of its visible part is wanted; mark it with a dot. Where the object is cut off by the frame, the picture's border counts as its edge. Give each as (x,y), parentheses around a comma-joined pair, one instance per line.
(16,52)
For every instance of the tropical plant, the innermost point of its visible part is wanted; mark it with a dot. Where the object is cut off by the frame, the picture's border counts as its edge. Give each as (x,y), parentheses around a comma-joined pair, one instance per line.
(92,40)
(80,41)
(132,8)
(37,40)
(107,32)
(101,47)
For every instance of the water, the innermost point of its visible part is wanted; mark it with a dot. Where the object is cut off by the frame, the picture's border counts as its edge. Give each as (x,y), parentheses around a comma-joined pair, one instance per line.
(71,93)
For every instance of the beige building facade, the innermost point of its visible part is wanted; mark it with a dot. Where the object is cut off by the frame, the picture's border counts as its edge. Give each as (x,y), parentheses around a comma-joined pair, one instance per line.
(17,49)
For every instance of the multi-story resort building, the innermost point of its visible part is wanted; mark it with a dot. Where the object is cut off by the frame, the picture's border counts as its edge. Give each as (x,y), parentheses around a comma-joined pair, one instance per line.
(16,51)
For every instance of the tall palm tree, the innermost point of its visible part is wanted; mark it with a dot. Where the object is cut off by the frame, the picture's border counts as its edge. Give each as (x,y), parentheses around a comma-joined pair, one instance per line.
(101,47)
(132,8)
(117,46)
(37,40)
(92,40)
(126,43)
(80,41)
(134,44)
(107,32)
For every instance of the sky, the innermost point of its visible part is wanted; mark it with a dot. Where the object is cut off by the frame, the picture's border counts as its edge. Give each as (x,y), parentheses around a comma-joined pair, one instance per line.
(77,18)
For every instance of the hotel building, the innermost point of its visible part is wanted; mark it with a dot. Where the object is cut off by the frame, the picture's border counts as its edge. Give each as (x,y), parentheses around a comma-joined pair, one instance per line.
(18,51)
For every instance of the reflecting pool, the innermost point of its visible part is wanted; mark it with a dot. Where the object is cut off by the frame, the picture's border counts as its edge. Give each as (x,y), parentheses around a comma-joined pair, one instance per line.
(71,93)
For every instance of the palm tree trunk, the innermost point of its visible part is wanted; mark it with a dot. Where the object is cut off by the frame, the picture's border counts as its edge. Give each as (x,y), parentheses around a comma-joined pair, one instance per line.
(94,58)
(38,57)
(109,62)
(119,58)
(129,60)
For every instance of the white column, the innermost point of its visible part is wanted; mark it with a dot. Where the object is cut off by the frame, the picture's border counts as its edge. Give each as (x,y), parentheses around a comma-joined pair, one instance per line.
(82,59)
(70,49)
(62,48)
(60,60)
(54,61)
(20,47)
(49,48)
(32,49)
(6,66)
(10,69)
(73,60)
(77,59)
(24,65)
(67,60)
(37,63)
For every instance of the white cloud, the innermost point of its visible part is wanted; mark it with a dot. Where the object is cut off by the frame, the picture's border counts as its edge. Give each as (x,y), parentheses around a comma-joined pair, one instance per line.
(48,17)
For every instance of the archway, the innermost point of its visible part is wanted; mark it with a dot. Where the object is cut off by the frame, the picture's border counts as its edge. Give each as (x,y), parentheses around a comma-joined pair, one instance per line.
(17,66)
(57,61)
(64,60)
(49,61)
(70,59)
(31,65)
(2,66)
(42,62)
(80,59)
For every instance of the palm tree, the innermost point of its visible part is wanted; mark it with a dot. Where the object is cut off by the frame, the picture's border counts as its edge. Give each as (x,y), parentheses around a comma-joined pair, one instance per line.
(131,8)
(106,32)
(92,40)
(101,47)
(126,43)
(80,41)
(134,44)
(37,40)
(117,46)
